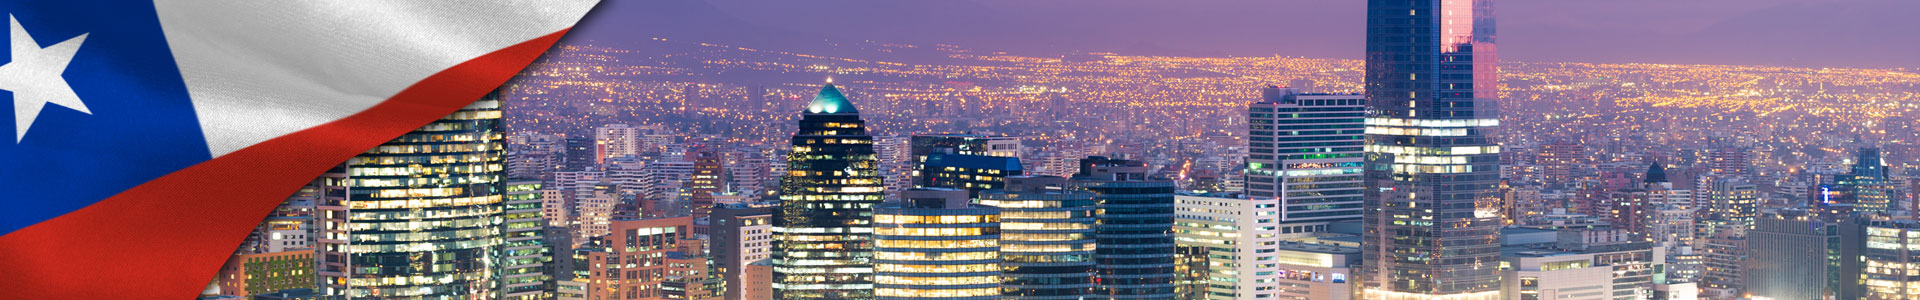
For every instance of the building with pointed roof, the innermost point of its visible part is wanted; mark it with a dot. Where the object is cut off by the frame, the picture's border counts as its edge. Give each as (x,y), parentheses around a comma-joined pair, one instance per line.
(823,240)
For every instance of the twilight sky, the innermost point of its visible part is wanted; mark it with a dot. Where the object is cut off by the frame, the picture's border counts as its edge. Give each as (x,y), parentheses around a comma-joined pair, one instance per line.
(1814,33)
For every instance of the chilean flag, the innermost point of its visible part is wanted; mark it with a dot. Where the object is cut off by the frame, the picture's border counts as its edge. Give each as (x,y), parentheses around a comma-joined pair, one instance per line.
(148,138)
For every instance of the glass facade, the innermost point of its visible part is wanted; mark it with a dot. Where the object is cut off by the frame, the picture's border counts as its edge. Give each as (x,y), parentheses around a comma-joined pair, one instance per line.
(1431,208)
(823,243)
(1135,230)
(1305,149)
(936,251)
(973,173)
(525,256)
(419,217)
(1046,239)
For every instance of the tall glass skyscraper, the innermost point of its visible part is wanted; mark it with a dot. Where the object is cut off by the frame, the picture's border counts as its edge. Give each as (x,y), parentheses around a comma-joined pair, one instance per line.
(1134,235)
(1046,238)
(420,216)
(823,245)
(1431,210)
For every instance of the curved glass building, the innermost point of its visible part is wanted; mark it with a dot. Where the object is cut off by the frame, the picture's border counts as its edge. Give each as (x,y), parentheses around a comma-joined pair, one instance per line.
(1431,209)
(1135,231)
(420,216)
(823,246)
(1046,238)
(933,245)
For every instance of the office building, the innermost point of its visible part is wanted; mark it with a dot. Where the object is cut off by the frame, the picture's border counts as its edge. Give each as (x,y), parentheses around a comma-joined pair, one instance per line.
(1305,149)
(637,260)
(1223,245)
(973,162)
(1865,187)
(262,273)
(1727,211)
(1433,164)
(973,173)
(418,217)
(933,244)
(1881,258)
(924,145)
(823,246)
(1313,271)
(1134,256)
(741,235)
(1584,264)
(1794,255)
(581,152)
(1046,238)
(615,140)
(525,256)
(707,179)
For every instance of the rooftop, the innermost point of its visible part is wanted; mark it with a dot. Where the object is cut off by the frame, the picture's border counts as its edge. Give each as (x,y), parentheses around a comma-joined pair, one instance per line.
(831,101)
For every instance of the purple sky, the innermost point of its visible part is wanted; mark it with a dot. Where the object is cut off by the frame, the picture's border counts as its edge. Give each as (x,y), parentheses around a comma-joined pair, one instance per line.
(1836,33)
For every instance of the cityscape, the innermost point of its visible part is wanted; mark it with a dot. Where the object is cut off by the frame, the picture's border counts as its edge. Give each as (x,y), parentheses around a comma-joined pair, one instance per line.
(666,168)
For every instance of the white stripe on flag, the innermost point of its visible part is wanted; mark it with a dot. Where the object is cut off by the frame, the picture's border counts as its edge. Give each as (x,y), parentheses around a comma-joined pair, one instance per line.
(261,69)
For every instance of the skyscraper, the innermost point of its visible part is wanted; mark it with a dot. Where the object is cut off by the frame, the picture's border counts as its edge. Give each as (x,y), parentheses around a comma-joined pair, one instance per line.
(1865,187)
(419,217)
(708,178)
(932,244)
(1305,149)
(1134,237)
(1794,255)
(1046,238)
(525,254)
(823,247)
(1432,208)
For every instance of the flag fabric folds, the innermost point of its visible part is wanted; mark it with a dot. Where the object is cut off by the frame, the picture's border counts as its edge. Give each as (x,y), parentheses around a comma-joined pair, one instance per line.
(150,137)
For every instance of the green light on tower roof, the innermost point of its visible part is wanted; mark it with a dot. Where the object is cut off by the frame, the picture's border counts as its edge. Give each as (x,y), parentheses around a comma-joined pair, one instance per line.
(831,101)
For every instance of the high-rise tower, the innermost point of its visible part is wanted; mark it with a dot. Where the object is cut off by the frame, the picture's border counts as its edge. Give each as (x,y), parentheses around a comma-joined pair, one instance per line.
(420,216)
(1134,237)
(823,248)
(1432,211)
(1305,149)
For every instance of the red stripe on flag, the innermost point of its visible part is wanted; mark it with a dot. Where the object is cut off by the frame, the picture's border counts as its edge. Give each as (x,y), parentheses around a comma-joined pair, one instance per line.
(167,238)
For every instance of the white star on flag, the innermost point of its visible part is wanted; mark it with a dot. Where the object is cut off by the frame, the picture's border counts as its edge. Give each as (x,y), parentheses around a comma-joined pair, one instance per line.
(34,77)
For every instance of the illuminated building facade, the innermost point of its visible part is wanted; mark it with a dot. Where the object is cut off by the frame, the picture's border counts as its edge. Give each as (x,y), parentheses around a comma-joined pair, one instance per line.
(615,140)
(973,162)
(639,260)
(823,246)
(708,178)
(1305,149)
(1599,272)
(1220,239)
(1726,215)
(973,173)
(741,235)
(261,273)
(1046,238)
(1795,255)
(932,244)
(1866,186)
(418,217)
(1134,259)
(1432,208)
(1881,258)
(525,256)
(924,145)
